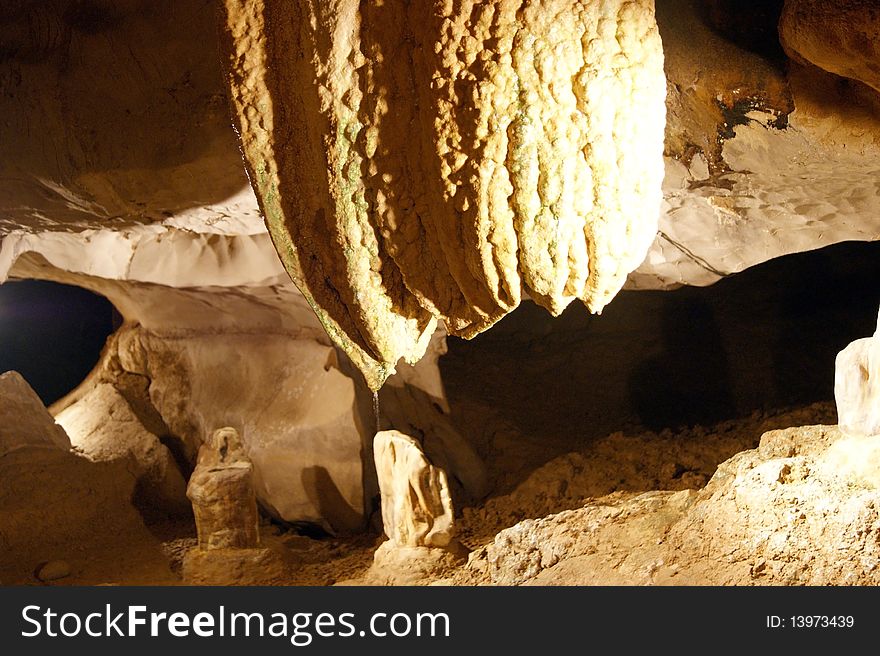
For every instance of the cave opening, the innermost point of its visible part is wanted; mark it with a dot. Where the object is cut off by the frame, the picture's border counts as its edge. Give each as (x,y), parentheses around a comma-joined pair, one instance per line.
(758,343)
(52,333)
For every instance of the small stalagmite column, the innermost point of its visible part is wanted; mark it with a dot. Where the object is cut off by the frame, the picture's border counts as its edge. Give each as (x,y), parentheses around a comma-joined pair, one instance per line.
(856,456)
(417,515)
(857,386)
(416,505)
(222,493)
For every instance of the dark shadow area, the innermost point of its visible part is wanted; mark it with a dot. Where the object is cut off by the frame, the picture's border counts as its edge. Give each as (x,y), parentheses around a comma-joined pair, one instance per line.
(761,340)
(331,504)
(750,24)
(52,334)
(689,382)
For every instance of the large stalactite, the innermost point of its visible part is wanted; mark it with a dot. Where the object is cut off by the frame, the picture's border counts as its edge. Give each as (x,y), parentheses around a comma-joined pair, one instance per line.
(434,160)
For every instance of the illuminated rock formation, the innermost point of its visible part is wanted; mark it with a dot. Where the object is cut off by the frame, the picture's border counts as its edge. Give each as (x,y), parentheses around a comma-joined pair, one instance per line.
(104,426)
(120,173)
(230,550)
(857,386)
(420,162)
(24,421)
(778,514)
(416,506)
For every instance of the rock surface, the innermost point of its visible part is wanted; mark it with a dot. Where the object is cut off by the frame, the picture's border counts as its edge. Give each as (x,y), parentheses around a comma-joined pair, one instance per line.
(253,566)
(857,386)
(760,163)
(134,188)
(54,570)
(104,427)
(24,420)
(784,513)
(56,504)
(840,36)
(416,504)
(532,159)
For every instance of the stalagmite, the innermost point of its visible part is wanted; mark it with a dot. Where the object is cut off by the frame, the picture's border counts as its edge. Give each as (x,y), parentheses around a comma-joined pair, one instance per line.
(856,457)
(430,160)
(222,493)
(417,514)
(416,505)
(857,386)
(230,551)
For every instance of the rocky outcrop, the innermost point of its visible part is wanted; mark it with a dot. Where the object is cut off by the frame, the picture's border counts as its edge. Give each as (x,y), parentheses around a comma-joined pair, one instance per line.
(24,421)
(532,159)
(56,505)
(857,387)
(51,499)
(765,157)
(794,511)
(104,427)
(839,36)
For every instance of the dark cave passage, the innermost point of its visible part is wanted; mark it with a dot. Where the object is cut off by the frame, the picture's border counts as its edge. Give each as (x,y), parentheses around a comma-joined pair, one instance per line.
(52,334)
(760,340)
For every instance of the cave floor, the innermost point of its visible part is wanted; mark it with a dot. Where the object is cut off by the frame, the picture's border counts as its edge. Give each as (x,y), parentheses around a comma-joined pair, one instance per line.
(533,479)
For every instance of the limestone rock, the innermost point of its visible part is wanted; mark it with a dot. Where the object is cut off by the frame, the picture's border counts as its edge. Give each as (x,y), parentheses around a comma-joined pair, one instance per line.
(54,570)
(24,420)
(416,506)
(764,160)
(293,408)
(532,159)
(794,511)
(104,427)
(840,36)
(414,401)
(55,503)
(857,386)
(396,565)
(222,493)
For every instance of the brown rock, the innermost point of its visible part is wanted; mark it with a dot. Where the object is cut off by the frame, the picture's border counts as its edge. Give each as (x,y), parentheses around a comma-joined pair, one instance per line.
(840,36)
(53,570)
(24,420)
(222,493)
(262,566)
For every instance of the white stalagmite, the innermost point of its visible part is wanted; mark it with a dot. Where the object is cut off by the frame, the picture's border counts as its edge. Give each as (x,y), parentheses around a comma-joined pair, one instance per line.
(416,505)
(857,386)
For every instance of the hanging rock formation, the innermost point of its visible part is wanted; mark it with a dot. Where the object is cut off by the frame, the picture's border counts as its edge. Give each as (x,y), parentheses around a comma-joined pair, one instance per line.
(423,161)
